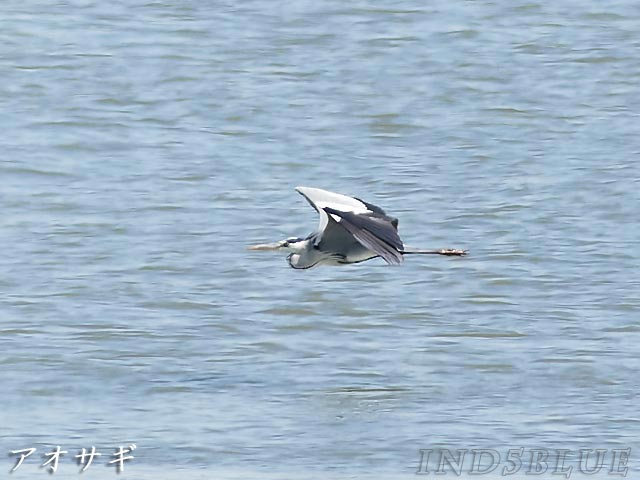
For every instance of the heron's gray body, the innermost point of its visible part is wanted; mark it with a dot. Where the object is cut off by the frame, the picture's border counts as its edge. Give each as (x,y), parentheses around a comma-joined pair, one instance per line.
(350,231)
(330,251)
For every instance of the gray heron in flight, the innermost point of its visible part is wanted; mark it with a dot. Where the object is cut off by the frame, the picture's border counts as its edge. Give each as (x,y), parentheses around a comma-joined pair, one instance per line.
(350,231)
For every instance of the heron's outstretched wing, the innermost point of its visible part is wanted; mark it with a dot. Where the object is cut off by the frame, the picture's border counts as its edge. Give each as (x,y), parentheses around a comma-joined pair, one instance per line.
(346,220)
(319,199)
(376,232)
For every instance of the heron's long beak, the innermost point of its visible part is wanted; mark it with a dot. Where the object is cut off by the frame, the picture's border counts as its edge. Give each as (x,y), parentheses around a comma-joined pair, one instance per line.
(267,246)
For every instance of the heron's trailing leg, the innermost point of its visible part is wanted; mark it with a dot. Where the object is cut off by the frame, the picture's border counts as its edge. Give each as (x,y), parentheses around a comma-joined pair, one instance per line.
(453,252)
(449,252)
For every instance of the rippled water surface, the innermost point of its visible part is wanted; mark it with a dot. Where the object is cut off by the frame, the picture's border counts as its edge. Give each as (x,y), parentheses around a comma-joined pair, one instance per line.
(146,144)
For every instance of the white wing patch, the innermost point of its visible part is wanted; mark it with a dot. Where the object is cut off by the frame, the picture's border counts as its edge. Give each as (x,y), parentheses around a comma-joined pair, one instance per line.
(322,198)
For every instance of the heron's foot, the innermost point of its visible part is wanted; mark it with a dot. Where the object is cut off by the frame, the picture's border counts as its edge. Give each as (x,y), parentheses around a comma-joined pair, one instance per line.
(453,252)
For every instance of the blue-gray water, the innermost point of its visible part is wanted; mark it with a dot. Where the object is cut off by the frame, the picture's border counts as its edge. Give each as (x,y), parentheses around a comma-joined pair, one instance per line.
(146,144)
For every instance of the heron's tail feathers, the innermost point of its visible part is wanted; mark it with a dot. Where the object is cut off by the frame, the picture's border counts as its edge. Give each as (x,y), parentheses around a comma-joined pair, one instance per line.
(450,252)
